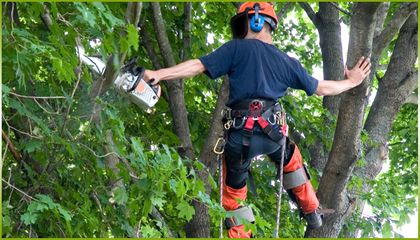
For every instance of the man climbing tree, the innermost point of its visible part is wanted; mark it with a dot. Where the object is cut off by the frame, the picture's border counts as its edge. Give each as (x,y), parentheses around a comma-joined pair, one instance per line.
(259,74)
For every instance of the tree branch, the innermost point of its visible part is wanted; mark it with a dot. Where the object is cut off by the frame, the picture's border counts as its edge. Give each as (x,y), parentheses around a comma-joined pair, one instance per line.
(413,99)
(17,189)
(133,12)
(158,216)
(46,18)
(283,11)
(175,87)
(162,38)
(340,9)
(37,97)
(237,4)
(207,156)
(148,45)
(185,53)
(9,144)
(380,18)
(310,12)
(385,37)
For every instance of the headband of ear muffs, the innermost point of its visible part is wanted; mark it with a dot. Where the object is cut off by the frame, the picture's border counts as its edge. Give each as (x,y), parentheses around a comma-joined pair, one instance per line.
(257,21)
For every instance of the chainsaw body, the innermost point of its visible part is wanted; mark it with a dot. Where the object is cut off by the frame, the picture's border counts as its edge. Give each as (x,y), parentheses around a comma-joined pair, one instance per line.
(130,83)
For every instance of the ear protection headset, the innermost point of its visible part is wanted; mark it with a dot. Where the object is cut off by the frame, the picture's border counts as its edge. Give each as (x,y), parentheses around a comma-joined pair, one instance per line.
(262,12)
(257,21)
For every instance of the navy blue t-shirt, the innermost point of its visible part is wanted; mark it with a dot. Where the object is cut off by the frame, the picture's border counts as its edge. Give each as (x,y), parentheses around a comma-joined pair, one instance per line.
(257,70)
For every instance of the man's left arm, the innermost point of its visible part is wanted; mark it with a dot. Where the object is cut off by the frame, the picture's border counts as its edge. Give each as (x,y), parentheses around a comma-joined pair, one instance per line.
(354,76)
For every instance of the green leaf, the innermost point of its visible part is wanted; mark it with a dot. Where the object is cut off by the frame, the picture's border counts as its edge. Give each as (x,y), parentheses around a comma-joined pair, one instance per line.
(5,89)
(212,182)
(66,215)
(6,221)
(29,218)
(147,207)
(31,145)
(186,211)
(172,185)
(47,200)
(121,196)
(149,232)
(180,189)
(132,37)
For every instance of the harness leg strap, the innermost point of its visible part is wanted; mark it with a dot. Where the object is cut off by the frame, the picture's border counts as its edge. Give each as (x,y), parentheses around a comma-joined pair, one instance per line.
(304,193)
(237,217)
(296,178)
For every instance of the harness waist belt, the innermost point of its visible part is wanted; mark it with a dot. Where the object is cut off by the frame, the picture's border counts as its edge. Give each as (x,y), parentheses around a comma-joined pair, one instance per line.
(244,105)
(251,108)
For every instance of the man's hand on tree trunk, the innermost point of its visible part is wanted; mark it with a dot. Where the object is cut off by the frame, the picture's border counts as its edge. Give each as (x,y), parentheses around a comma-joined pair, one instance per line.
(360,71)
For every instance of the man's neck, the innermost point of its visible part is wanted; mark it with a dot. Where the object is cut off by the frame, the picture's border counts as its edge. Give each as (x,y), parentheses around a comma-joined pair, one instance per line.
(262,36)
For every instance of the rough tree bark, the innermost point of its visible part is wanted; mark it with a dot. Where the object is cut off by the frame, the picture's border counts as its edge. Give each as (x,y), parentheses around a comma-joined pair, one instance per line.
(379,119)
(327,23)
(345,150)
(382,38)
(399,81)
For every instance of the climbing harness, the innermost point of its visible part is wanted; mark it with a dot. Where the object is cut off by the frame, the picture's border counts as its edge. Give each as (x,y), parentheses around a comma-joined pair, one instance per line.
(245,115)
(271,119)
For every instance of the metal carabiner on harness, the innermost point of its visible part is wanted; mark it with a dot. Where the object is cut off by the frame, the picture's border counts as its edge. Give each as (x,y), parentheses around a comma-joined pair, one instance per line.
(274,119)
(228,124)
(219,147)
(240,125)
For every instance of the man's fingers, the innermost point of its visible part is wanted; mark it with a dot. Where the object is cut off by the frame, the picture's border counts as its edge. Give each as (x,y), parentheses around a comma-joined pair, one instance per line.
(360,62)
(365,63)
(367,67)
(367,74)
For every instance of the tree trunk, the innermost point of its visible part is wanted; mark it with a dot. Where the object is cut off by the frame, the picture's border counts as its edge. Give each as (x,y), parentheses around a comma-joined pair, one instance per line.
(199,226)
(398,83)
(328,24)
(345,150)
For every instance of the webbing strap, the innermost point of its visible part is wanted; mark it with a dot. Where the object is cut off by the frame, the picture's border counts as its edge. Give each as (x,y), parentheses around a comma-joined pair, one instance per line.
(295,178)
(246,138)
(236,217)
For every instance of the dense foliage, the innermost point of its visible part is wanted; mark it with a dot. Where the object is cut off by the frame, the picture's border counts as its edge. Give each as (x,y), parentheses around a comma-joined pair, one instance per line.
(55,168)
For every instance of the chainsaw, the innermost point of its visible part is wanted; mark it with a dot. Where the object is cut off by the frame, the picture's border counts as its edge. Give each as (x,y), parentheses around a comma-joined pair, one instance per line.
(130,83)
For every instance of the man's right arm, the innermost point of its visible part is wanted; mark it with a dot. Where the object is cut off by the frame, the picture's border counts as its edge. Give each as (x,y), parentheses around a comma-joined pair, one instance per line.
(189,68)
(354,76)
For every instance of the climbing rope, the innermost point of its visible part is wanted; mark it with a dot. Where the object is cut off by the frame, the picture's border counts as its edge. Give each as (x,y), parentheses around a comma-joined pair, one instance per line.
(280,170)
(218,149)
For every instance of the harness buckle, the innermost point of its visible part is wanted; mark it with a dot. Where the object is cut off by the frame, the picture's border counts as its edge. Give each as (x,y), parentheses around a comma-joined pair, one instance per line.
(255,108)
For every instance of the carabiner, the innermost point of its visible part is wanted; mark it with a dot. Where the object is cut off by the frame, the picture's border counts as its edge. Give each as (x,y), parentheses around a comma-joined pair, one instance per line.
(240,125)
(219,147)
(228,124)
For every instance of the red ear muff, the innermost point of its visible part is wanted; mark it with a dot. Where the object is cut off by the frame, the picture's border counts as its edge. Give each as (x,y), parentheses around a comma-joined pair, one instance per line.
(239,25)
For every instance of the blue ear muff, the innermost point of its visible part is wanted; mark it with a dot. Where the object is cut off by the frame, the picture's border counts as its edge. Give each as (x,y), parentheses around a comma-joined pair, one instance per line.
(257,23)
